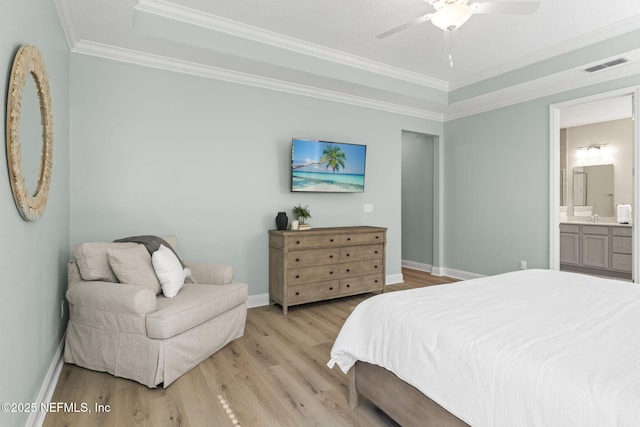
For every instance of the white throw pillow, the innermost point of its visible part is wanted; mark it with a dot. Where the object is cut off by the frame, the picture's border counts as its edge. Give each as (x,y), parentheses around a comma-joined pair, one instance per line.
(169,271)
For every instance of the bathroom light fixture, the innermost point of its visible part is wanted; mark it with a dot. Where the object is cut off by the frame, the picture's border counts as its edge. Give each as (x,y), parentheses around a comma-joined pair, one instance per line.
(592,147)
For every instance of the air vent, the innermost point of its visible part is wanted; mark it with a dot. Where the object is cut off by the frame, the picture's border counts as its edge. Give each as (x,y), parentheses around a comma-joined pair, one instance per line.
(608,64)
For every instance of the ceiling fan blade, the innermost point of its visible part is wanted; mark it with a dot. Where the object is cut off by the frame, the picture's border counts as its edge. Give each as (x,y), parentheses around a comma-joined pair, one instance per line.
(419,20)
(508,7)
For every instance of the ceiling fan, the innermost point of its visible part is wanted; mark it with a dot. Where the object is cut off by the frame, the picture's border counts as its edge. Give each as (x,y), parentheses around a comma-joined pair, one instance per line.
(449,15)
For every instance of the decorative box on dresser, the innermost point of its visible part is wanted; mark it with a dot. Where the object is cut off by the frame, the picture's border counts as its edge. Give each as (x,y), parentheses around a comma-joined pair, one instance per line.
(325,263)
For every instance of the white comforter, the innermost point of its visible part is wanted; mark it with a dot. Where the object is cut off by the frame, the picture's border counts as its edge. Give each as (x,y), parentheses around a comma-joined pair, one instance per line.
(528,348)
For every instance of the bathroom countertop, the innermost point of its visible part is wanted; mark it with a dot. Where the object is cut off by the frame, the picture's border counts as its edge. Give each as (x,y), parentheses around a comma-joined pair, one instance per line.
(614,224)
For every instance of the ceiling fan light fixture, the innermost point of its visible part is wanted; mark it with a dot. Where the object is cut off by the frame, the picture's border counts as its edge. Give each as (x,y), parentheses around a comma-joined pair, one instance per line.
(451,16)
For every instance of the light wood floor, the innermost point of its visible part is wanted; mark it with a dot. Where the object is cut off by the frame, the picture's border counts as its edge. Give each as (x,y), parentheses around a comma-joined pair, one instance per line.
(276,375)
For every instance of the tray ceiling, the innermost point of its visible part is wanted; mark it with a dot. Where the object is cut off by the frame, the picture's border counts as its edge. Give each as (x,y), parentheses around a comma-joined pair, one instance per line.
(328,48)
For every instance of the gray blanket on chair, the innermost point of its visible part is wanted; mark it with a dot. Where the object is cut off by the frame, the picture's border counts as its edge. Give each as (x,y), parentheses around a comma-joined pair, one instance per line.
(152,243)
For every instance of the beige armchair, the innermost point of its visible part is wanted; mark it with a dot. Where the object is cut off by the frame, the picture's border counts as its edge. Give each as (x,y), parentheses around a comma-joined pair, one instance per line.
(133,332)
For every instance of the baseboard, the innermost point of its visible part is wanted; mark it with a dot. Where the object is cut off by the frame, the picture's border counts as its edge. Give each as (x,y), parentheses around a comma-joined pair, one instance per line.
(258,300)
(36,418)
(392,279)
(417,266)
(441,271)
(459,274)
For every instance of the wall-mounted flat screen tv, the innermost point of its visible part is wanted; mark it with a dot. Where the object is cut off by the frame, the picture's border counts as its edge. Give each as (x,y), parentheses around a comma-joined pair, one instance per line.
(328,167)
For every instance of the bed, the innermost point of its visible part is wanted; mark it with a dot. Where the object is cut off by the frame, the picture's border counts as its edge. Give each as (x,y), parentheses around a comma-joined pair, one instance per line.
(527,348)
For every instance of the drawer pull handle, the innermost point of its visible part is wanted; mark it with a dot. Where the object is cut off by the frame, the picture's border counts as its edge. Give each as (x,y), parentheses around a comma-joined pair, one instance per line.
(375,252)
(297,276)
(375,266)
(348,270)
(331,240)
(297,259)
(331,288)
(297,242)
(348,285)
(348,254)
(377,237)
(297,293)
(348,239)
(330,256)
(331,272)
(375,281)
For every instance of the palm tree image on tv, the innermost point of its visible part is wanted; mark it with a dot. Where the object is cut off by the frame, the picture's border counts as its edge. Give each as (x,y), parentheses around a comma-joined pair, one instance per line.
(334,157)
(327,166)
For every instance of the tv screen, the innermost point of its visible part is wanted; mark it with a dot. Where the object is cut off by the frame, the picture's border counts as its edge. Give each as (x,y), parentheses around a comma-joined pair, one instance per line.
(323,166)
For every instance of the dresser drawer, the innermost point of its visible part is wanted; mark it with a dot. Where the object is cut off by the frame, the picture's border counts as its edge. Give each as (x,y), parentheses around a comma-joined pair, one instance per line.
(297,276)
(313,292)
(621,262)
(622,231)
(309,257)
(621,245)
(360,268)
(312,240)
(357,253)
(359,284)
(360,238)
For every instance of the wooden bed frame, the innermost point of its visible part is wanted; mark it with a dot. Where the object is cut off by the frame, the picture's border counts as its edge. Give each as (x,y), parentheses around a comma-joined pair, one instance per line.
(401,401)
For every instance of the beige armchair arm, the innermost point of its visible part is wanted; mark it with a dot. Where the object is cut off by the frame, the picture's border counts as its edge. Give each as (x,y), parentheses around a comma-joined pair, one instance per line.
(111,297)
(210,273)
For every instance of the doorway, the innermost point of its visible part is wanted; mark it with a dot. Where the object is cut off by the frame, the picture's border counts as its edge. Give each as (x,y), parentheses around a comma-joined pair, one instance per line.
(421,246)
(593,153)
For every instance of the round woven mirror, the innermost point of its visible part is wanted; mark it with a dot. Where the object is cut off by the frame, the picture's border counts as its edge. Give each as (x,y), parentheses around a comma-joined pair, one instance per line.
(28,64)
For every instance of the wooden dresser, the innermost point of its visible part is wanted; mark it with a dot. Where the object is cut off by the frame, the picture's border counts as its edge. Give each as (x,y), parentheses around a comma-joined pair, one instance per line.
(325,263)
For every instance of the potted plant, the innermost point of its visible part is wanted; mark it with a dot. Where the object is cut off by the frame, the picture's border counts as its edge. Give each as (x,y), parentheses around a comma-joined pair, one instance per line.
(301,213)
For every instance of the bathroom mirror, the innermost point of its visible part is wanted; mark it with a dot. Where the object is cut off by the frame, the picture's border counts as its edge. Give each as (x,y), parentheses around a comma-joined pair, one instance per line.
(593,186)
(29,139)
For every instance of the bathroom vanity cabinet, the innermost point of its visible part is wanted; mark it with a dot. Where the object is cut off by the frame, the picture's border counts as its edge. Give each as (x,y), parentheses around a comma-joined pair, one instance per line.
(602,249)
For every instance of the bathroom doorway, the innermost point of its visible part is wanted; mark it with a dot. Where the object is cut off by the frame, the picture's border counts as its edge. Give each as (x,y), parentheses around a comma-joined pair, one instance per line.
(594,150)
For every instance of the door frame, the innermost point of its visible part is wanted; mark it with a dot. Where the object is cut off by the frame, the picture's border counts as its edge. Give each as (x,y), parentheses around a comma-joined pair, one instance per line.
(554,162)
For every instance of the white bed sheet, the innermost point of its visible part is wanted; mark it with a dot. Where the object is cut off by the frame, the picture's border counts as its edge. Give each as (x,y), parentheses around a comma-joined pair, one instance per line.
(528,348)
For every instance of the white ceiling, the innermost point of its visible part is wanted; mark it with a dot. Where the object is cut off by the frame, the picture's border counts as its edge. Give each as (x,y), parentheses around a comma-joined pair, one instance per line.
(263,36)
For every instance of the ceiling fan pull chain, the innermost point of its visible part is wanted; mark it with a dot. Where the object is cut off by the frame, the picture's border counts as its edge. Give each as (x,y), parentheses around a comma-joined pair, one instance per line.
(449,45)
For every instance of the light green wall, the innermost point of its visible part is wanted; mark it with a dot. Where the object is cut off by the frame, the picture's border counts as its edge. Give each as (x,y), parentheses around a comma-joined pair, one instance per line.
(34,254)
(496,175)
(417,197)
(158,152)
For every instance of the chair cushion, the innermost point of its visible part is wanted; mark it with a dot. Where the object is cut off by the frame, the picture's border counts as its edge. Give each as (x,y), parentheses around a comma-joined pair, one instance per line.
(194,305)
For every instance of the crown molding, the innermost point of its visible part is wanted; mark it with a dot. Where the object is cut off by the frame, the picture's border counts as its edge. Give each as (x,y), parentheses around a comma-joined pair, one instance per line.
(620,28)
(564,81)
(534,89)
(130,56)
(168,10)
